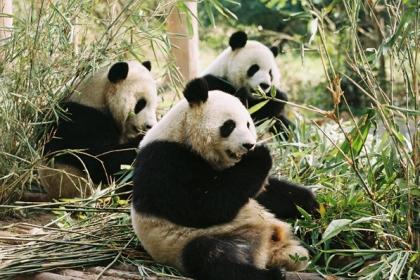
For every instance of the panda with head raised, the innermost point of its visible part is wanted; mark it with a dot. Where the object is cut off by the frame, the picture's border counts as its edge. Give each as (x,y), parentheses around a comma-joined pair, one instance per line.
(105,119)
(197,179)
(250,64)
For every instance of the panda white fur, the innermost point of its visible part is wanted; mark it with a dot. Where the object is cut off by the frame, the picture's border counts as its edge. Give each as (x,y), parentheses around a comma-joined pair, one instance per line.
(105,119)
(250,64)
(196,183)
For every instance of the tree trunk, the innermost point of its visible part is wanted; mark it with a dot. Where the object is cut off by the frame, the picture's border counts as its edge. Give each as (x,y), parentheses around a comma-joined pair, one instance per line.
(6,20)
(184,45)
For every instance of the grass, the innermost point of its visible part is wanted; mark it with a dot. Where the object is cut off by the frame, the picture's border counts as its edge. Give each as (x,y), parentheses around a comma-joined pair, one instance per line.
(365,168)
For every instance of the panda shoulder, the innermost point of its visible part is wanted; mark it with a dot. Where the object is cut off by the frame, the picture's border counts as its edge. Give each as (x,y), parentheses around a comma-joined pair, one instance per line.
(166,152)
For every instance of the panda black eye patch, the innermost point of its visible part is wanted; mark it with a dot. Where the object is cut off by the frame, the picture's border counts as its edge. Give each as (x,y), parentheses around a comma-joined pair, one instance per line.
(140,105)
(227,128)
(271,75)
(252,70)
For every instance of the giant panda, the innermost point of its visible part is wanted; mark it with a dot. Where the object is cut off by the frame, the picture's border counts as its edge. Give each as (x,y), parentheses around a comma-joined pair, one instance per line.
(103,122)
(197,179)
(250,64)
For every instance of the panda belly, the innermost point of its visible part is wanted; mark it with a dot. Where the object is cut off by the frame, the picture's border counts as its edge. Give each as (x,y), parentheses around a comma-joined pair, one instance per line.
(255,227)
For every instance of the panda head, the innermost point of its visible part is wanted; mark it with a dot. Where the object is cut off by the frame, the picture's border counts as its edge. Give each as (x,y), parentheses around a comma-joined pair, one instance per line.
(131,97)
(252,64)
(214,124)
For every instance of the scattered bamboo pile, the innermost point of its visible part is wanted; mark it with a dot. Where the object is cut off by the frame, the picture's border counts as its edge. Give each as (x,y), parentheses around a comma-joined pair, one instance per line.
(91,239)
(96,237)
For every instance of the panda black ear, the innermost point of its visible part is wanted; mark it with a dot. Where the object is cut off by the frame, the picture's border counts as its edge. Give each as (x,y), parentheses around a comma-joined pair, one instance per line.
(274,50)
(118,72)
(196,91)
(147,64)
(238,40)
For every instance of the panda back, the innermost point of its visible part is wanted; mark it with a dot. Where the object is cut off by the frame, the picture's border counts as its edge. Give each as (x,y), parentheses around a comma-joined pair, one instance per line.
(219,66)
(91,90)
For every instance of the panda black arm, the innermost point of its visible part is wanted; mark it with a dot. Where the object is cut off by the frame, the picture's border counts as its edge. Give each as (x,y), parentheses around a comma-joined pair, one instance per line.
(83,127)
(282,197)
(216,83)
(247,176)
(273,108)
(116,155)
(96,134)
(172,182)
(230,189)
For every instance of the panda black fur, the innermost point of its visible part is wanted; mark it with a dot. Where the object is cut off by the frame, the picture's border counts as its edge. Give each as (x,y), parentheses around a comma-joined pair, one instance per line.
(250,64)
(104,121)
(196,178)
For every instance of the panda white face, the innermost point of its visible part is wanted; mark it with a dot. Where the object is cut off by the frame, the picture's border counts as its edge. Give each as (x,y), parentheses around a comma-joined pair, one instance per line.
(253,66)
(132,100)
(214,124)
(126,90)
(223,130)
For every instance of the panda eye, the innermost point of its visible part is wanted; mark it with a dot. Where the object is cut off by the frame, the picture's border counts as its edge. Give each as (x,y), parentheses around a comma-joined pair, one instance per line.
(247,124)
(252,70)
(227,128)
(140,105)
(271,75)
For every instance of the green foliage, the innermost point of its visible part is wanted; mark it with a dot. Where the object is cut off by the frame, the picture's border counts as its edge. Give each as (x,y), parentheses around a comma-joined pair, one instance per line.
(367,168)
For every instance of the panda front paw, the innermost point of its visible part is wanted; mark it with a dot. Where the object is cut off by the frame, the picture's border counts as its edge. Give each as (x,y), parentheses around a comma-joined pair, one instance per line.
(259,158)
(277,273)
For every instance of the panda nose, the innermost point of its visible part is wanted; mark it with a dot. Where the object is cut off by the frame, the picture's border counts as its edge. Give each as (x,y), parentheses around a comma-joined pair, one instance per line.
(148,126)
(264,86)
(248,146)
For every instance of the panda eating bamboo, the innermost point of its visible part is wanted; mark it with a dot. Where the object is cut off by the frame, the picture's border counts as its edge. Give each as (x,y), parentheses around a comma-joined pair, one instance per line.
(198,180)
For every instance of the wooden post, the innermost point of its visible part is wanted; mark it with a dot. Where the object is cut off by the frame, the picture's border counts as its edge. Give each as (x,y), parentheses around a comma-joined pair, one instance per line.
(184,45)
(6,22)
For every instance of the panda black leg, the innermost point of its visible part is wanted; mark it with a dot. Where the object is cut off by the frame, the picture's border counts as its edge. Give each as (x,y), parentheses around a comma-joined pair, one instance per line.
(281,198)
(224,258)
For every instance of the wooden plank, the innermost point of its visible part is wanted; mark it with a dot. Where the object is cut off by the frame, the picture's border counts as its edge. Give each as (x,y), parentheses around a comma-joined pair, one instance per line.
(114,275)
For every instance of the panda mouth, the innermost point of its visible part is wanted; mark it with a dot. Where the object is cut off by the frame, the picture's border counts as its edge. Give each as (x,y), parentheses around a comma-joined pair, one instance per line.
(232,155)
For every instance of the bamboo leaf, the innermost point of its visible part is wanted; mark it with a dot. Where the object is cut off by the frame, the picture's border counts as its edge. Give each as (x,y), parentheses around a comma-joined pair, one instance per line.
(334,228)
(257,106)
(356,138)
